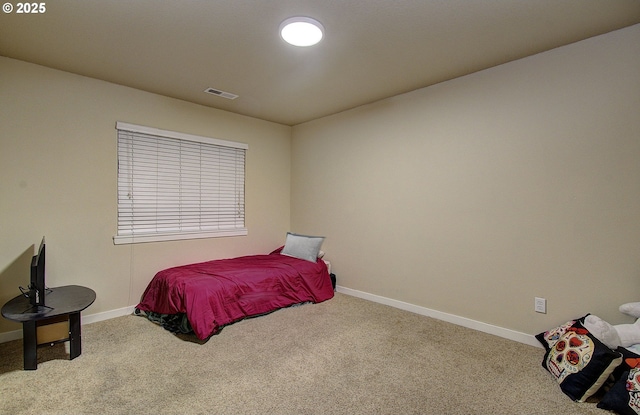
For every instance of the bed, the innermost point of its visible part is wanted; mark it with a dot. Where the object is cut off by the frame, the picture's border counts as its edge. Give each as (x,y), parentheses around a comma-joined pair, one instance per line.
(206,296)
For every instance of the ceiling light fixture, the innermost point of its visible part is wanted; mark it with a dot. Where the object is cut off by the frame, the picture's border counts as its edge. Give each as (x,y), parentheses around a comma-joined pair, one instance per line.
(301,31)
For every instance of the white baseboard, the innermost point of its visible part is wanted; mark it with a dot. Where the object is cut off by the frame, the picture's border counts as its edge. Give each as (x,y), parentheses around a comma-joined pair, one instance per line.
(10,335)
(88,319)
(94,318)
(450,318)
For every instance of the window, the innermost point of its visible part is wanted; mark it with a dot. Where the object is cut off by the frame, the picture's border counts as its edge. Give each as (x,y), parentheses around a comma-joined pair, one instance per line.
(178,186)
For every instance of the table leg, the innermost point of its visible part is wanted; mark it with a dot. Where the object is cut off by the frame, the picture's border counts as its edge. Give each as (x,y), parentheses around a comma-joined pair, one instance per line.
(75,341)
(30,345)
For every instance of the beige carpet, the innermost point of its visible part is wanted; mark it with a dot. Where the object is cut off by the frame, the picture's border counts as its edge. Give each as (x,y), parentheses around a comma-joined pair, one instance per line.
(344,356)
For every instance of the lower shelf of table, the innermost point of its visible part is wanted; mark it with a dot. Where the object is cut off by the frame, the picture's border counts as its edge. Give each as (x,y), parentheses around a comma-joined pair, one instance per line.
(55,331)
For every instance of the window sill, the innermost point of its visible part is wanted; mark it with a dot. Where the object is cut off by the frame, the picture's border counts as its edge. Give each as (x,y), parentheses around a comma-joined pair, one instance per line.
(134,239)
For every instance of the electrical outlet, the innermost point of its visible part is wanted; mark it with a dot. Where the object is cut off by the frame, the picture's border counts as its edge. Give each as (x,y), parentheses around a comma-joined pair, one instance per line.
(540,305)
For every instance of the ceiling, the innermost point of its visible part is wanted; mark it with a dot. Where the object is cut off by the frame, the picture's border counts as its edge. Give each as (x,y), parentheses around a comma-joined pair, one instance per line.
(373,49)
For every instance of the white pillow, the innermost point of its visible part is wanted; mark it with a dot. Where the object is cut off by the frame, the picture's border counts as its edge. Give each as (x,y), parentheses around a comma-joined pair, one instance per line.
(302,246)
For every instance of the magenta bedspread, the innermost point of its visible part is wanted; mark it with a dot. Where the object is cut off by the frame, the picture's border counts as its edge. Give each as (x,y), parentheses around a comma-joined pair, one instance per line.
(215,293)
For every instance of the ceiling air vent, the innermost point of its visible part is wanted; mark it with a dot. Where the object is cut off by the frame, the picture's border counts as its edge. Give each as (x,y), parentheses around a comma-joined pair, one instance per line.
(227,95)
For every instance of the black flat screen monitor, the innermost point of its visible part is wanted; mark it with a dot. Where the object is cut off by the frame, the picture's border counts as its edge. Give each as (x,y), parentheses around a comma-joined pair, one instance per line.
(36,286)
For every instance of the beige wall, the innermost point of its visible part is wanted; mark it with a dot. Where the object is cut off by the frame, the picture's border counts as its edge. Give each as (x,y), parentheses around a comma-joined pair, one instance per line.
(58,179)
(473,196)
(470,197)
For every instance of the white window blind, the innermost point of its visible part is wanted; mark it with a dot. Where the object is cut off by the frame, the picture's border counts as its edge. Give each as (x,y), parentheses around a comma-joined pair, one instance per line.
(178,186)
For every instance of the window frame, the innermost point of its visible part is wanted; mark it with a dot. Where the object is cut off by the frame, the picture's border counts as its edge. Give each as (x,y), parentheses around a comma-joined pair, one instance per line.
(127,232)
